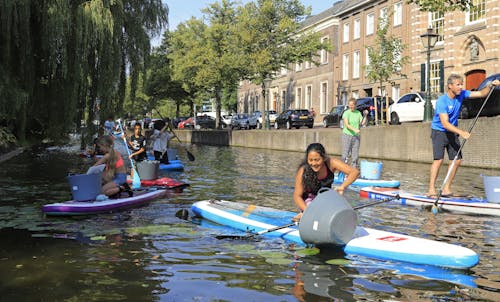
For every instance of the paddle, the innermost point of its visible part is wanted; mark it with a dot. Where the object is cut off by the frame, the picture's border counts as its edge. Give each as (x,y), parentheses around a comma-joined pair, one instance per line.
(435,207)
(252,235)
(136,180)
(189,154)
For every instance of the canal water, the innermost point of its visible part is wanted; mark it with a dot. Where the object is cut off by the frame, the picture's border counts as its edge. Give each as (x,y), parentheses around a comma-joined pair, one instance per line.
(148,254)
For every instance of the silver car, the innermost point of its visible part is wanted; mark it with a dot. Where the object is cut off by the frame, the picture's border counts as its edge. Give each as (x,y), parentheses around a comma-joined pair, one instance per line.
(244,121)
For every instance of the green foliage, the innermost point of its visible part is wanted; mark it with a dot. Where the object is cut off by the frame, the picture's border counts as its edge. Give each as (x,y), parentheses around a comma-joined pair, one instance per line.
(6,138)
(68,55)
(443,5)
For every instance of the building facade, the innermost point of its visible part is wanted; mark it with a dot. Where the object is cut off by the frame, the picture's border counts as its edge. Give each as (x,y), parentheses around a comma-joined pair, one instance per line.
(467,45)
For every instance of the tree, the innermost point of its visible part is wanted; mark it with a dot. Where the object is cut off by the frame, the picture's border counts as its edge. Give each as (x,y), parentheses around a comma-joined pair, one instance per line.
(272,38)
(386,59)
(443,5)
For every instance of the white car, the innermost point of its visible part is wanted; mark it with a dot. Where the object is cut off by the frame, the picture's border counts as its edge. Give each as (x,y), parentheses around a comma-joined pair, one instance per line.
(226,120)
(260,123)
(409,108)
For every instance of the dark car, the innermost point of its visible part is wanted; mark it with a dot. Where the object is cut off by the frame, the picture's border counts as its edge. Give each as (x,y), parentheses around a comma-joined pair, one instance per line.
(470,107)
(368,105)
(334,117)
(294,118)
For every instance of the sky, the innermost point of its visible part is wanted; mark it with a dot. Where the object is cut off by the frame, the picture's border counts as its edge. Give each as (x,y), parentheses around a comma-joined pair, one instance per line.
(182,10)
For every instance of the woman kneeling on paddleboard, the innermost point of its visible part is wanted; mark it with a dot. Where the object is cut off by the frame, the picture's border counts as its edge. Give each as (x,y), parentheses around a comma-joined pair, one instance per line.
(114,176)
(316,171)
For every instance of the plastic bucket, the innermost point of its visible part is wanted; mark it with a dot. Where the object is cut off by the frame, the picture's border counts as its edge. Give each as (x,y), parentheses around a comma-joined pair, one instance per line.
(148,169)
(370,170)
(85,186)
(328,220)
(492,188)
(172,154)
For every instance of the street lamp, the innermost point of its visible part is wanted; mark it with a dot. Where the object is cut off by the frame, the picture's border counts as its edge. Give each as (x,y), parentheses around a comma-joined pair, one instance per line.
(267,83)
(429,39)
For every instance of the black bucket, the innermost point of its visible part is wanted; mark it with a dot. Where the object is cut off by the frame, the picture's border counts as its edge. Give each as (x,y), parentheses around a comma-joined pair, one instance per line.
(328,220)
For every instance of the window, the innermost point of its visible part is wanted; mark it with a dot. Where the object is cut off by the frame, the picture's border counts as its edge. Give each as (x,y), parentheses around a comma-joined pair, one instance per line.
(345,67)
(298,66)
(308,96)
(355,65)
(435,78)
(477,12)
(367,60)
(324,53)
(307,65)
(324,97)
(398,13)
(436,21)
(283,71)
(355,94)
(383,14)
(370,19)
(346,32)
(396,92)
(357,29)
(298,97)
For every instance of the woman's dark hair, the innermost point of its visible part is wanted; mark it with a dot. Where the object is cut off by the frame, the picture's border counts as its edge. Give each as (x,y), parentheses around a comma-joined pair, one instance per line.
(159,124)
(309,177)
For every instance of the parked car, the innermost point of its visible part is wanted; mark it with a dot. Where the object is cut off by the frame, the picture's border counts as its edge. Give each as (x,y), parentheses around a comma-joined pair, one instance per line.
(244,121)
(179,119)
(334,117)
(470,107)
(294,118)
(226,120)
(408,108)
(366,107)
(260,120)
(201,122)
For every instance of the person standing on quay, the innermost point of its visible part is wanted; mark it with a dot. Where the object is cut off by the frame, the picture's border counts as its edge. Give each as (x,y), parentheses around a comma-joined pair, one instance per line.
(445,132)
(350,134)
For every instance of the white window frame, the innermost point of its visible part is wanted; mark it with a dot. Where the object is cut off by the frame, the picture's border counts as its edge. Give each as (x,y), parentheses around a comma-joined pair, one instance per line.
(370,24)
(367,60)
(324,53)
(436,22)
(283,71)
(345,67)
(298,97)
(307,65)
(482,6)
(398,13)
(396,92)
(355,64)
(345,32)
(323,97)
(308,96)
(357,29)
(298,66)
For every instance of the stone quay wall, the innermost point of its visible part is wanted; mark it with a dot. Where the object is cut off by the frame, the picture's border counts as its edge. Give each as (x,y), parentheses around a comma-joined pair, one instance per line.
(405,142)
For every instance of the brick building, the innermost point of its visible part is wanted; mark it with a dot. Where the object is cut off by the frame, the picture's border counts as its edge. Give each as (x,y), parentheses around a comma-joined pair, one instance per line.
(467,45)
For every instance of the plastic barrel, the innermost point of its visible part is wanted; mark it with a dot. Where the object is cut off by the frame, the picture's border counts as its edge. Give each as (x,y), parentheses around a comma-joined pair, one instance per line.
(85,186)
(370,170)
(492,188)
(148,169)
(328,220)
(172,154)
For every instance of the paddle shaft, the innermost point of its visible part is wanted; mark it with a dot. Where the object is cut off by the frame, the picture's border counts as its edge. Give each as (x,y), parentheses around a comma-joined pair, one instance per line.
(136,180)
(378,202)
(452,166)
(190,155)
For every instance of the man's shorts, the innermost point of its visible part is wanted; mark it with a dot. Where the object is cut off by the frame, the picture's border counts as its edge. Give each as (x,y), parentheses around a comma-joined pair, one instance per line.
(445,140)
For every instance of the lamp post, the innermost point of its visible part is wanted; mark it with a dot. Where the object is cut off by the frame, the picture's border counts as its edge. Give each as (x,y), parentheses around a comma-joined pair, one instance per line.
(267,82)
(429,39)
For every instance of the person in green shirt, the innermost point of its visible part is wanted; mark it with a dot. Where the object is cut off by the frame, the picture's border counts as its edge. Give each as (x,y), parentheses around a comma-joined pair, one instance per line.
(350,134)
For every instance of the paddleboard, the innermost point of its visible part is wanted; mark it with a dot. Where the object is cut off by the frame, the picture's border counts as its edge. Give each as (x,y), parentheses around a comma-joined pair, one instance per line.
(164,182)
(361,182)
(465,205)
(69,208)
(173,165)
(366,241)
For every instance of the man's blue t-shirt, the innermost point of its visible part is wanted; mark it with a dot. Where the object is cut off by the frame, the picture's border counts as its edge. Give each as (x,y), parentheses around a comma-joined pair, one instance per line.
(451,106)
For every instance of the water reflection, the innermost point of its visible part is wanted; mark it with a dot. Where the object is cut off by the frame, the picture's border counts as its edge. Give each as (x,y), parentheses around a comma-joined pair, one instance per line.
(147,253)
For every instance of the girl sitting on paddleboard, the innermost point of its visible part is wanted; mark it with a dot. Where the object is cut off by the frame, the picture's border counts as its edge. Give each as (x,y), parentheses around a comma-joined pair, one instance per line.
(316,171)
(114,176)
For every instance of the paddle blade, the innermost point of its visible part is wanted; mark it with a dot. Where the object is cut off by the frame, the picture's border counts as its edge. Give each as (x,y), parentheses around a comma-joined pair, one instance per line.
(190,155)
(136,181)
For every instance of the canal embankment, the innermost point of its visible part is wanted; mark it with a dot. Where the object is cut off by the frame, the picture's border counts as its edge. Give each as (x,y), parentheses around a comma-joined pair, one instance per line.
(405,142)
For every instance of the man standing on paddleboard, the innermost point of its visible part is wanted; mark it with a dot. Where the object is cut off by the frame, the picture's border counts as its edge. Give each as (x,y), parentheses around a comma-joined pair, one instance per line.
(445,132)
